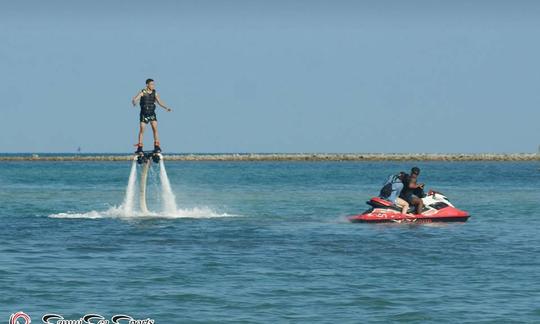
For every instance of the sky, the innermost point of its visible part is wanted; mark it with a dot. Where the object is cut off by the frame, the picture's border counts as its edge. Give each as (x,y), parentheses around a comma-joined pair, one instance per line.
(272,76)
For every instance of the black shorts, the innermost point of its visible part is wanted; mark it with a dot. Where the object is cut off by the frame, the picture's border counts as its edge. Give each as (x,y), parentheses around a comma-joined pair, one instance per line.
(408,197)
(147,117)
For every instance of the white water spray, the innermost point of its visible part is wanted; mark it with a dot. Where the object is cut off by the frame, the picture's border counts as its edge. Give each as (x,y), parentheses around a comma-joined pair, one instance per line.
(127,205)
(128,208)
(144,178)
(167,195)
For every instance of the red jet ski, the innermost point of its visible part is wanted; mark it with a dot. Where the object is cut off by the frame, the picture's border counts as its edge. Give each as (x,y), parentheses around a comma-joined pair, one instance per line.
(437,209)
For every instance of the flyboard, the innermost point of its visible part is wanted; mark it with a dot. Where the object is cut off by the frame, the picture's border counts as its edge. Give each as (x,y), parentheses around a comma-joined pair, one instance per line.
(145,158)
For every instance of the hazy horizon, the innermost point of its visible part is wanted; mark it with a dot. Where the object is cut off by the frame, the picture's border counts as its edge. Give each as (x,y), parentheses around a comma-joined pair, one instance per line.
(277,153)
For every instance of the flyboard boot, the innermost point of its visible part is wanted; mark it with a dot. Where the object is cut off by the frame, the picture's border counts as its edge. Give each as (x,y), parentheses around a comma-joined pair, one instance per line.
(139,153)
(157,148)
(139,150)
(157,152)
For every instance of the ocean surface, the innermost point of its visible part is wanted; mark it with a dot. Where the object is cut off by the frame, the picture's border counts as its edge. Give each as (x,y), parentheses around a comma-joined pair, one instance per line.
(267,242)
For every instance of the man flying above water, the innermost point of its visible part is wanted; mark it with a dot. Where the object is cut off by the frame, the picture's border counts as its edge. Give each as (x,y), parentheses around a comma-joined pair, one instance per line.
(148,98)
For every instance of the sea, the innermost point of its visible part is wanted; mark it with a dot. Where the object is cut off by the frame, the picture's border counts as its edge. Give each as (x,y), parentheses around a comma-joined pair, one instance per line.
(265,242)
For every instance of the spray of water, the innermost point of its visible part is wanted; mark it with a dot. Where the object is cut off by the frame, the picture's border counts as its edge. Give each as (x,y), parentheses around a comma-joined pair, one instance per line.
(167,195)
(129,199)
(128,209)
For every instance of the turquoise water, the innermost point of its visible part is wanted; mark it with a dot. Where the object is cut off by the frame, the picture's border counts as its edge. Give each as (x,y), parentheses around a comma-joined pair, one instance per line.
(268,242)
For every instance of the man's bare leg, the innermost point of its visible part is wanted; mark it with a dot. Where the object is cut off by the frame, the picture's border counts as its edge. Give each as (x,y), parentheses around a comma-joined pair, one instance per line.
(141,135)
(419,205)
(155,131)
(403,204)
(156,135)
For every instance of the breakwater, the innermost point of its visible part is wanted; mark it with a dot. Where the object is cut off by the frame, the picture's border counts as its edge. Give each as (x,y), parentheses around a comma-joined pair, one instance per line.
(283,157)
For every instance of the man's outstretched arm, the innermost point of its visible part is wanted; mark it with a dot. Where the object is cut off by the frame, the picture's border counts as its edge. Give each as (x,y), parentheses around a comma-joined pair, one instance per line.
(161,103)
(137,97)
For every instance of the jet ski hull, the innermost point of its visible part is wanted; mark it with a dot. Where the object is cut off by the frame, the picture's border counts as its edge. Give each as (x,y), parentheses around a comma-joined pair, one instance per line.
(401,218)
(438,209)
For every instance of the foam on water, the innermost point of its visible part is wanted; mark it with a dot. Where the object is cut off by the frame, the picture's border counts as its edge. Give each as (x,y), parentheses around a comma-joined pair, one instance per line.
(118,212)
(127,209)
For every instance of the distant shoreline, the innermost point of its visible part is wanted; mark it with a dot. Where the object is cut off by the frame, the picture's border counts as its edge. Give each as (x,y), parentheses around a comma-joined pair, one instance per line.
(282,157)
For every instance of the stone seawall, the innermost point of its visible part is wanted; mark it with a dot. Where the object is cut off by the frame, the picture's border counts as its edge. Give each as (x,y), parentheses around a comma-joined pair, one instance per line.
(284,157)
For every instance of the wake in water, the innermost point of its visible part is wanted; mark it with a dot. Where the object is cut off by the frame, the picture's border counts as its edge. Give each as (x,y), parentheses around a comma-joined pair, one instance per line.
(130,208)
(118,212)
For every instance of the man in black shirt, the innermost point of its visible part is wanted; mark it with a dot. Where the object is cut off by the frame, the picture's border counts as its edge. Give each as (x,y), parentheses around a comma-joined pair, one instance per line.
(148,98)
(413,192)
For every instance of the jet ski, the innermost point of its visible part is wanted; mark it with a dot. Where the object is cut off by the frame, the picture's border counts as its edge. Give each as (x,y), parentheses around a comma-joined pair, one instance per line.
(437,208)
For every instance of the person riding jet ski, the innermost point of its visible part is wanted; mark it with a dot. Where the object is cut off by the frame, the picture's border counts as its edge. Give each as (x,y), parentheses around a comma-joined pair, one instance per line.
(392,189)
(390,207)
(413,192)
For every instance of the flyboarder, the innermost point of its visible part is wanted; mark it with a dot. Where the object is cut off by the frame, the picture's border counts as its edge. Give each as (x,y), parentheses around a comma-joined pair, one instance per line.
(148,97)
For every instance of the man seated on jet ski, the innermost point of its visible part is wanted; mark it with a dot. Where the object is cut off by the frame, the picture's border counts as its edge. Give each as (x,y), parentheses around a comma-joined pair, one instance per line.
(413,192)
(392,189)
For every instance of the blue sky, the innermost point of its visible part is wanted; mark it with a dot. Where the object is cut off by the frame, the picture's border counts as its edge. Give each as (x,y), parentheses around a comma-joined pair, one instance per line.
(273,76)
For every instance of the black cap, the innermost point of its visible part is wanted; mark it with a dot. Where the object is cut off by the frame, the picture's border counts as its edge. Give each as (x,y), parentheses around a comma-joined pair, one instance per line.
(415,170)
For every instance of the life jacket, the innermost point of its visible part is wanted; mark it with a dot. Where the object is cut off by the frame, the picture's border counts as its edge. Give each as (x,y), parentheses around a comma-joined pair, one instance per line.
(406,192)
(406,183)
(148,101)
(386,190)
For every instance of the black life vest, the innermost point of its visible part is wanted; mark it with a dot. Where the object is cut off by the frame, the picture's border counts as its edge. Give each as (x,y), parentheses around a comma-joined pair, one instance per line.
(406,192)
(406,182)
(148,101)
